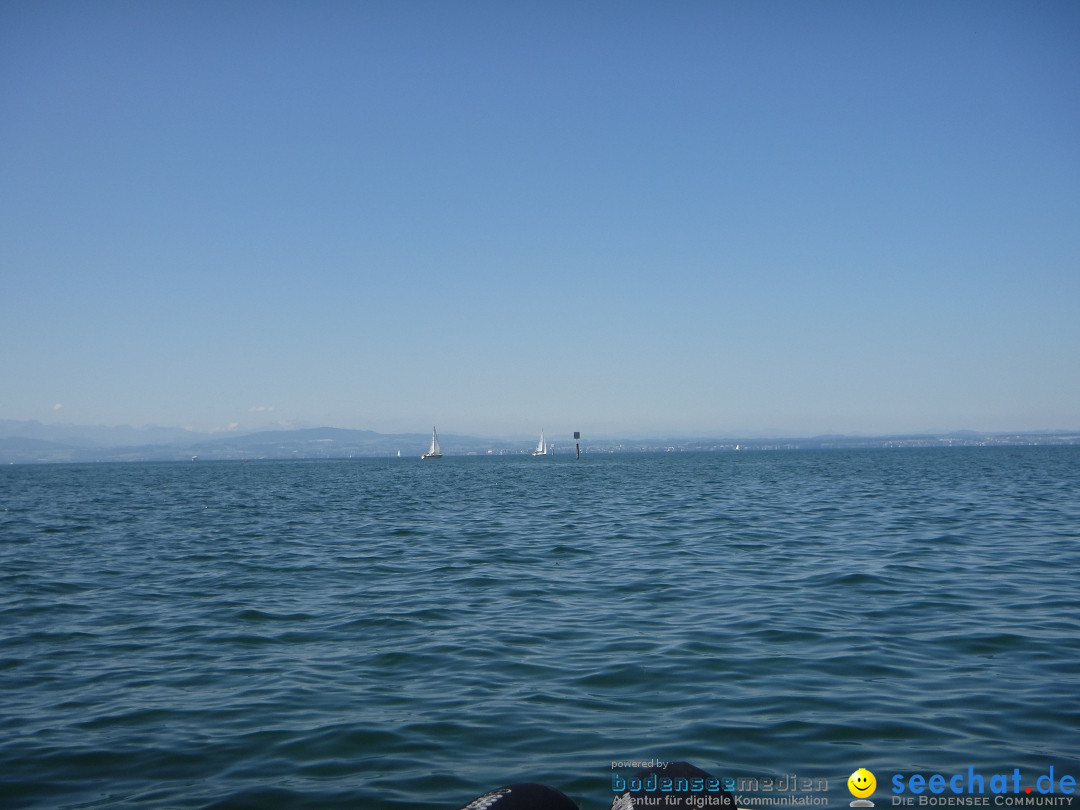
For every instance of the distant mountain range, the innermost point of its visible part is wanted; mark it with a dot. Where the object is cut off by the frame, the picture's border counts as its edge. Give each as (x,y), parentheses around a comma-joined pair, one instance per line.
(30,442)
(33,442)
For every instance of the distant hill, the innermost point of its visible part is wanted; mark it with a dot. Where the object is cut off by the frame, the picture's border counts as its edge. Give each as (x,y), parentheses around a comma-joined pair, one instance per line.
(118,436)
(33,443)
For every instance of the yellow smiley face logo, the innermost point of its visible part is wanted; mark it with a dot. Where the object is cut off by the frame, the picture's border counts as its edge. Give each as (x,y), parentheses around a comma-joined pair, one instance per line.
(861,783)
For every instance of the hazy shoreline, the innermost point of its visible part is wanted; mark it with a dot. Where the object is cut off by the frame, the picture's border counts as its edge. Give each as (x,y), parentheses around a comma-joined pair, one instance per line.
(35,443)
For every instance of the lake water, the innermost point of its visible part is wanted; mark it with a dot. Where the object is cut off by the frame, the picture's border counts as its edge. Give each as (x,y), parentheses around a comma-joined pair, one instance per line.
(395,633)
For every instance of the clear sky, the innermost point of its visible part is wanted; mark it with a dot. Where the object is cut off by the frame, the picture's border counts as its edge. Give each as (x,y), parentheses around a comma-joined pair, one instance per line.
(662,218)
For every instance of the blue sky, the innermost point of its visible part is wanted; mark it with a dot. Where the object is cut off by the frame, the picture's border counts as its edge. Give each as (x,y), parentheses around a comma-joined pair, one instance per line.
(722,218)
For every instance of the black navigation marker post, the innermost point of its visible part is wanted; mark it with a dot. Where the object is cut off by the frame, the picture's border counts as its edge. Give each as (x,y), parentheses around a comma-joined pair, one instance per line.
(577,436)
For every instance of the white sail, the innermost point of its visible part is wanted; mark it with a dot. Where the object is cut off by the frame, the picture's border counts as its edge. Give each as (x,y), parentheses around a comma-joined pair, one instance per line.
(541,448)
(435,451)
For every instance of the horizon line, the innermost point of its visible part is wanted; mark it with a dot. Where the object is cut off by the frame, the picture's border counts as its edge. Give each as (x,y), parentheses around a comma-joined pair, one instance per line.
(237,430)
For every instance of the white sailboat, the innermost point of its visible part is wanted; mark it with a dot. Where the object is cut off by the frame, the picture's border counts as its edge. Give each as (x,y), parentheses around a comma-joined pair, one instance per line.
(541,448)
(435,451)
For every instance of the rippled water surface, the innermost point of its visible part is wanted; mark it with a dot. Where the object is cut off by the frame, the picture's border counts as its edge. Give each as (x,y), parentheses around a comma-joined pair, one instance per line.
(391,633)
